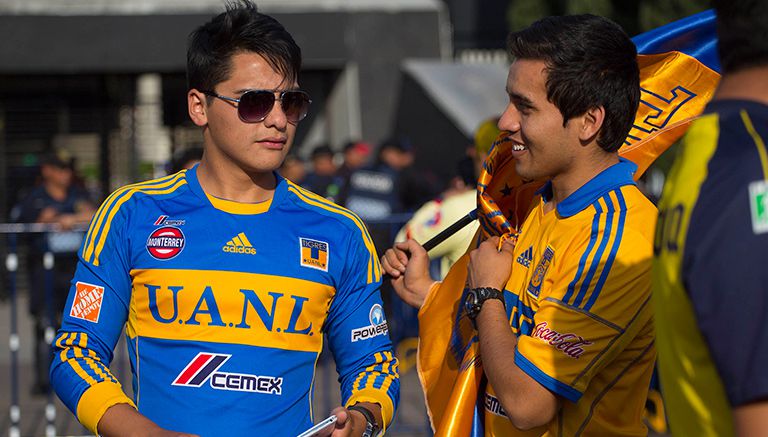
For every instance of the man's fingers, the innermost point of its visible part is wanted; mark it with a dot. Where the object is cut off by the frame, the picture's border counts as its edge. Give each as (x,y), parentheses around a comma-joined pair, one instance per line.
(411,246)
(393,262)
(389,269)
(508,245)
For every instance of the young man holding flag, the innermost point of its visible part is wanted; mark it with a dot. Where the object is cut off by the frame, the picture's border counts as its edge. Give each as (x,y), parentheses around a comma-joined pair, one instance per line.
(563,319)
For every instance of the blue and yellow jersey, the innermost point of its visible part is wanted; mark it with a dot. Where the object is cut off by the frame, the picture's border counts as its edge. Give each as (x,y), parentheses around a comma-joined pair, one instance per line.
(579,301)
(710,278)
(224,307)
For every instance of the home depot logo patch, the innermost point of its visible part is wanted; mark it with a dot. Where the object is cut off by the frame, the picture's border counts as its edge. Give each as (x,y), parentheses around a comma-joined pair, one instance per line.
(87,304)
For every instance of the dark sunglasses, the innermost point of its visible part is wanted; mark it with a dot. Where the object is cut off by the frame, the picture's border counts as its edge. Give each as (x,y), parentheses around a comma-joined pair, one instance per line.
(254,105)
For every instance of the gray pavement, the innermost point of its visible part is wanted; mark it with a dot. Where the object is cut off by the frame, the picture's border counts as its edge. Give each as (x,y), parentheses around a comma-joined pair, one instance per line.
(411,420)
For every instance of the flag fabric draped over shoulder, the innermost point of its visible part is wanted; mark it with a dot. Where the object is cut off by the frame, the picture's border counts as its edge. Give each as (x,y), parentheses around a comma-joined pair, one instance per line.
(679,72)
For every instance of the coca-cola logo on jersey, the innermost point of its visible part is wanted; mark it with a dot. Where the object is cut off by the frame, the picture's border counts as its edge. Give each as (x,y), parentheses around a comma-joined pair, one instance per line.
(569,344)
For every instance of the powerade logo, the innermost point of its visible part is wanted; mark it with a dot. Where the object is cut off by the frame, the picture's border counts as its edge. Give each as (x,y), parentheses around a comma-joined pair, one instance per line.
(377,327)
(204,368)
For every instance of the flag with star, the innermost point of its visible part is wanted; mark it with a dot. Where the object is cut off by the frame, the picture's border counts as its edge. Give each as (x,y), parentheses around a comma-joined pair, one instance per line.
(679,71)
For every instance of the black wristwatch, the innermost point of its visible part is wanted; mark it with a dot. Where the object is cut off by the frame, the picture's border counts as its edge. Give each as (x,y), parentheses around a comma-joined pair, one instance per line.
(475,299)
(371,428)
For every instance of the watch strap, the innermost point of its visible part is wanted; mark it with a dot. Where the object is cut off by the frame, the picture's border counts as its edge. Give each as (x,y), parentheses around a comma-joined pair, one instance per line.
(371,427)
(483,294)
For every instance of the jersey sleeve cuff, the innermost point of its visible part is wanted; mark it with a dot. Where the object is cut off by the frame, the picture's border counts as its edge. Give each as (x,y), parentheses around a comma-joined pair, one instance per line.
(547,381)
(96,400)
(376,397)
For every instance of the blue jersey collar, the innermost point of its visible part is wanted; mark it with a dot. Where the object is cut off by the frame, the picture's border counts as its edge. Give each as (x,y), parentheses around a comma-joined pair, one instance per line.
(613,177)
(280,189)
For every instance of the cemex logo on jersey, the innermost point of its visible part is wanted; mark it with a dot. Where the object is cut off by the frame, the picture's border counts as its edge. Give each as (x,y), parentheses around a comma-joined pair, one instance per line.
(377,327)
(87,303)
(165,243)
(163,220)
(314,254)
(204,368)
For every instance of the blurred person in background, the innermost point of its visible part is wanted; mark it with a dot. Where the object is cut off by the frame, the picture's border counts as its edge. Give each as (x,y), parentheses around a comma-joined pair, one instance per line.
(293,168)
(710,277)
(390,186)
(58,201)
(456,202)
(185,159)
(356,156)
(322,178)
(226,278)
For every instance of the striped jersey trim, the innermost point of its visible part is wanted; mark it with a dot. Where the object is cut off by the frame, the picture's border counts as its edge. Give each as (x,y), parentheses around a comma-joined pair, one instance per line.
(102,222)
(374,268)
(384,372)
(610,232)
(585,255)
(759,143)
(84,362)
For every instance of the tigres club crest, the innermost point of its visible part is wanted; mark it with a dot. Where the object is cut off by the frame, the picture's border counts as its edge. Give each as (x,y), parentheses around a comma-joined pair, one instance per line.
(313,253)
(534,287)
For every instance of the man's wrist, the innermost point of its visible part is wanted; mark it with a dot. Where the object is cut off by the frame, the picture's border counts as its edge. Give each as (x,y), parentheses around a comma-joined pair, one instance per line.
(491,310)
(358,422)
(370,421)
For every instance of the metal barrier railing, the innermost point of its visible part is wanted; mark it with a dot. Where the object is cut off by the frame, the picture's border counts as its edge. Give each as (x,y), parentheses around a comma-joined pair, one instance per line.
(13,230)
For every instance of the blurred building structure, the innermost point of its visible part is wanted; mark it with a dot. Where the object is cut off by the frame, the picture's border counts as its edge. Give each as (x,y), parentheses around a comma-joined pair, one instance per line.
(105,78)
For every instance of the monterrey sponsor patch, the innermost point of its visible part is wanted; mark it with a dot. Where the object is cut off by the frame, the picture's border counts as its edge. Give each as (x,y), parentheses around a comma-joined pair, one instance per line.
(165,243)
(87,304)
(314,254)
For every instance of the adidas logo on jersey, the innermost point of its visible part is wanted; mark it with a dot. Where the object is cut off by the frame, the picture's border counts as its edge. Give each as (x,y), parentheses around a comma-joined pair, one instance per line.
(526,257)
(239,244)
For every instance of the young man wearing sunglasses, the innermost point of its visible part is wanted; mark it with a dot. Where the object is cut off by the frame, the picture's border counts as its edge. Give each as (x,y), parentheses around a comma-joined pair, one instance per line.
(226,276)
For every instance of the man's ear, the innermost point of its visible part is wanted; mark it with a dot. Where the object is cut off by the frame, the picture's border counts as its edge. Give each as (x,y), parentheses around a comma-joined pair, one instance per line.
(591,122)
(198,107)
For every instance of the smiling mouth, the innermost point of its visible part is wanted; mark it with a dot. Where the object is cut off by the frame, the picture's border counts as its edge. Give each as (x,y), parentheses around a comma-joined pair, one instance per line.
(518,147)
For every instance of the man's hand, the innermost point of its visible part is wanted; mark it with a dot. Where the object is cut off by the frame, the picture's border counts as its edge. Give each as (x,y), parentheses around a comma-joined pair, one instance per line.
(353,423)
(66,221)
(489,267)
(407,264)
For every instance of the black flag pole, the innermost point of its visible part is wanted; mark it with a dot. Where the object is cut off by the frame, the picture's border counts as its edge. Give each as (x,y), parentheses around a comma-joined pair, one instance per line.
(450,230)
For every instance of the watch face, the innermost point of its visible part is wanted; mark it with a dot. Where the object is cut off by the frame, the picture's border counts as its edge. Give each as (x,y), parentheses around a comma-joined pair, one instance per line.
(470,303)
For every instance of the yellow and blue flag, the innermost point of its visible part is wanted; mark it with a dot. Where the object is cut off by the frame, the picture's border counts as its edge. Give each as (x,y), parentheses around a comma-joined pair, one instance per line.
(679,71)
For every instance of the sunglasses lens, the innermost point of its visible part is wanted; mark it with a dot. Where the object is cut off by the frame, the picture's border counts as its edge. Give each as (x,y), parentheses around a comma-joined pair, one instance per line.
(295,105)
(255,105)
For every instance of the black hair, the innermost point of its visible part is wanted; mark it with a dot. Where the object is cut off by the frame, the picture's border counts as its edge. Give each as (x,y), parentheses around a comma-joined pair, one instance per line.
(322,150)
(742,32)
(591,62)
(182,157)
(241,28)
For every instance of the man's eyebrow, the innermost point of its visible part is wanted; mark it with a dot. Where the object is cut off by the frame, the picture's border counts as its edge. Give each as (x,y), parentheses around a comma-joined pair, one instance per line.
(244,90)
(519,98)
